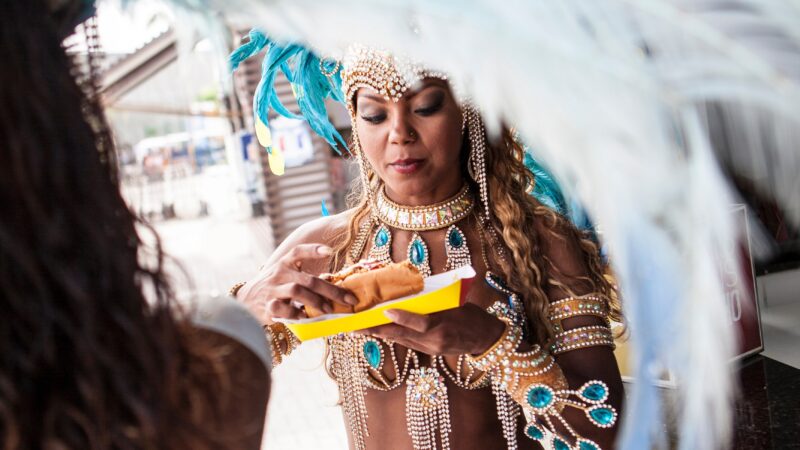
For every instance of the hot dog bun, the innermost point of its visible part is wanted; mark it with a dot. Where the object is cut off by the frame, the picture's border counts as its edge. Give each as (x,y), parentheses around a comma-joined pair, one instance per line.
(372,283)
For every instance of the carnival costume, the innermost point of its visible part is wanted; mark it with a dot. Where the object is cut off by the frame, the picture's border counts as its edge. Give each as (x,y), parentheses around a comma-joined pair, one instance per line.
(530,381)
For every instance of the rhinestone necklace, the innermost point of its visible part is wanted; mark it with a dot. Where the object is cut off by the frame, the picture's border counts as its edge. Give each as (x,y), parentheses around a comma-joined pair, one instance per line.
(424,218)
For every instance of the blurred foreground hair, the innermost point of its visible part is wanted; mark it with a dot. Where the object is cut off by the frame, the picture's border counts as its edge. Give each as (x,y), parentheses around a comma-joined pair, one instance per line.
(88,360)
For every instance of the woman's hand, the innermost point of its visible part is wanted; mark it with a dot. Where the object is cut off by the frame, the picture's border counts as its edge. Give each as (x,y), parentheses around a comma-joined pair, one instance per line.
(467,329)
(280,290)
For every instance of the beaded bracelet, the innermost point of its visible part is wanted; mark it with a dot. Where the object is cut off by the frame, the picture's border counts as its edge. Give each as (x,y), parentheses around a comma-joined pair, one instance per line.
(582,337)
(586,305)
(235,288)
(508,342)
(280,338)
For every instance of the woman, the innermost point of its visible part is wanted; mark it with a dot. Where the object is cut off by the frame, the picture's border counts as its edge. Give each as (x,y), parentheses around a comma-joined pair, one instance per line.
(93,352)
(434,191)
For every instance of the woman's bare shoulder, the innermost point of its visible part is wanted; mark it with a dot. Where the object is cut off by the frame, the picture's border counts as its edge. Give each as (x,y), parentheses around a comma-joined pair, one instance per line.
(324,230)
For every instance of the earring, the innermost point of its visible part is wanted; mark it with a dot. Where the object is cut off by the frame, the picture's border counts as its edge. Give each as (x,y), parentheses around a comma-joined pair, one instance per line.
(476,163)
(364,169)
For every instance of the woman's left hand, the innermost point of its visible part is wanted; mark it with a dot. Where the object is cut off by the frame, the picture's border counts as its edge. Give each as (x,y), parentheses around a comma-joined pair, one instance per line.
(468,329)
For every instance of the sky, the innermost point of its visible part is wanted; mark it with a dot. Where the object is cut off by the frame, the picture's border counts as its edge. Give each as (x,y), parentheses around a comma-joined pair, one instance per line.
(123,30)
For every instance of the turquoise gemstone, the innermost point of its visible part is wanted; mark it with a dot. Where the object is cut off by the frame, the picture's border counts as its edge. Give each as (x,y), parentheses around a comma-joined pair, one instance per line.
(595,392)
(586,445)
(455,239)
(372,353)
(534,432)
(603,416)
(417,255)
(559,444)
(382,238)
(540,397)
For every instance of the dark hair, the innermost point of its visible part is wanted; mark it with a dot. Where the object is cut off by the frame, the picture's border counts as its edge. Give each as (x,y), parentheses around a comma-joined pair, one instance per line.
(86,361)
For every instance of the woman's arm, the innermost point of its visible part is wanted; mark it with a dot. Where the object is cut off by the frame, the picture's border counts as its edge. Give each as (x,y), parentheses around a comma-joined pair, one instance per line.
(288,282)
(569,279)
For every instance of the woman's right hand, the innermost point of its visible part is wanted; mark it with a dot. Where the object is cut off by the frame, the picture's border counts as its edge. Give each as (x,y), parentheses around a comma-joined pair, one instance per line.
(282,289)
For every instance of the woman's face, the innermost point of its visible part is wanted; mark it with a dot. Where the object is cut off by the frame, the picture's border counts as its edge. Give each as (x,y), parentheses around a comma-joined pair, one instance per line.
(413,145)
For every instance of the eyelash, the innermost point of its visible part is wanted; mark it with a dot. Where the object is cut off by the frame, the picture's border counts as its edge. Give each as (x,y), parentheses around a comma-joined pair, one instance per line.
(422,112)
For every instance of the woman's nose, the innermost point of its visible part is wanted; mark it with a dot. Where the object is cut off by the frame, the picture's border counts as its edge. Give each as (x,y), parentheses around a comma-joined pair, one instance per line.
(402,132)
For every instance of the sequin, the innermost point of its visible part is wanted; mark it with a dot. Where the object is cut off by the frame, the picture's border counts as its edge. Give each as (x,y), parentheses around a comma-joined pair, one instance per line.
(594,392)
(455,238)
(559,444)
(534,432)
(540,396)
(382,237)
(372,353)
(603,416)
(417,254)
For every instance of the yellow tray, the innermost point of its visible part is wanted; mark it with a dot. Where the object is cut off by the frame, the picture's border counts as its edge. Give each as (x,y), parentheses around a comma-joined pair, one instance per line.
(443,291)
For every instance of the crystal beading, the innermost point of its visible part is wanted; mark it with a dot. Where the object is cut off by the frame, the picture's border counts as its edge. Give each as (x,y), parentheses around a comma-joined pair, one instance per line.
(424,218)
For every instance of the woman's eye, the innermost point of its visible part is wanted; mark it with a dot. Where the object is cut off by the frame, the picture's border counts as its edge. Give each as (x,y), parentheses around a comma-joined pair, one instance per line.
(378,118)
(428,110)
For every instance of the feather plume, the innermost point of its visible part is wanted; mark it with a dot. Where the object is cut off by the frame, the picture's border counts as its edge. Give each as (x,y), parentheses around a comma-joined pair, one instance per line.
(616,95)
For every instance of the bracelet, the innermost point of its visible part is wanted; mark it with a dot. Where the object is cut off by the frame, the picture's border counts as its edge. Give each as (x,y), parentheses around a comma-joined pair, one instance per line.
(585,305)
(280,337)
(582,337)
(235,288)
(491,358)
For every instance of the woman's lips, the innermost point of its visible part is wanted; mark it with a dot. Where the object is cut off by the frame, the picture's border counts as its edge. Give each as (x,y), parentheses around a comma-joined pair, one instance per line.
(407,166)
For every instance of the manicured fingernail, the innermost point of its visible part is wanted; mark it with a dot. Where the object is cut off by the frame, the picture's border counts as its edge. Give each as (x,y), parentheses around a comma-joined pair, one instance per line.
(391,314)
(351,299)
(324,250)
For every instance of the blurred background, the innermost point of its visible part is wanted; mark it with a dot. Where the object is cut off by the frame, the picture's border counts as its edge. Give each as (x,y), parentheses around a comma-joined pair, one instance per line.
(191,166)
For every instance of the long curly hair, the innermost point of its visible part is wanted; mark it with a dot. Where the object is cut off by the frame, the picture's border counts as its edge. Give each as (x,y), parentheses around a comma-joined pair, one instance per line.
(92,353)
(520,221)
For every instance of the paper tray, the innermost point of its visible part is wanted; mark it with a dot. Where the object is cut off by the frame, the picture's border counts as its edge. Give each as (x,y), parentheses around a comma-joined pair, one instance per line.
(443,291)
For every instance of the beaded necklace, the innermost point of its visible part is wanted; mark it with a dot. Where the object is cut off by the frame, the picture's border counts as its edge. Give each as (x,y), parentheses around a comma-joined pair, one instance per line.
(441,215)
(358,360)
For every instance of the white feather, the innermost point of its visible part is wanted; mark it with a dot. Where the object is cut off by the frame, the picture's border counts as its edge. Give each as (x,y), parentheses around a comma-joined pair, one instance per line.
(609,90)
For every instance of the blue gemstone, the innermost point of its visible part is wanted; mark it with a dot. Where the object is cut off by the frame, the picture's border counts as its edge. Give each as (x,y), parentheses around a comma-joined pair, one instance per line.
(586,445)
(603,416)
(595,392)
(382,238)
(559,444)
(455,239)
(540,397)
(534,432)
(372,353)
(417,255)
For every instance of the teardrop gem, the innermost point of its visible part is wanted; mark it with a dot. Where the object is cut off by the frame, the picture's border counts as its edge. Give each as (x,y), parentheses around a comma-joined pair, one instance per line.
(540,396)
(583,444)
(454,238)
(382,237)
(534,432)
(602,416)
(559,444)
(372,353)
(417,254)
(594,392)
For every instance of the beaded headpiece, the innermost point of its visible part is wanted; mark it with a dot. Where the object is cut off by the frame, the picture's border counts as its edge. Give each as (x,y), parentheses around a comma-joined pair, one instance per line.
(389,75)
(316,79)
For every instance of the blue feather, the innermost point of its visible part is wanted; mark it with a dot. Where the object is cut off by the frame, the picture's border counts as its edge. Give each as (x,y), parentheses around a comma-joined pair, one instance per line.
(253,46)
(310,85)
(548,191)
